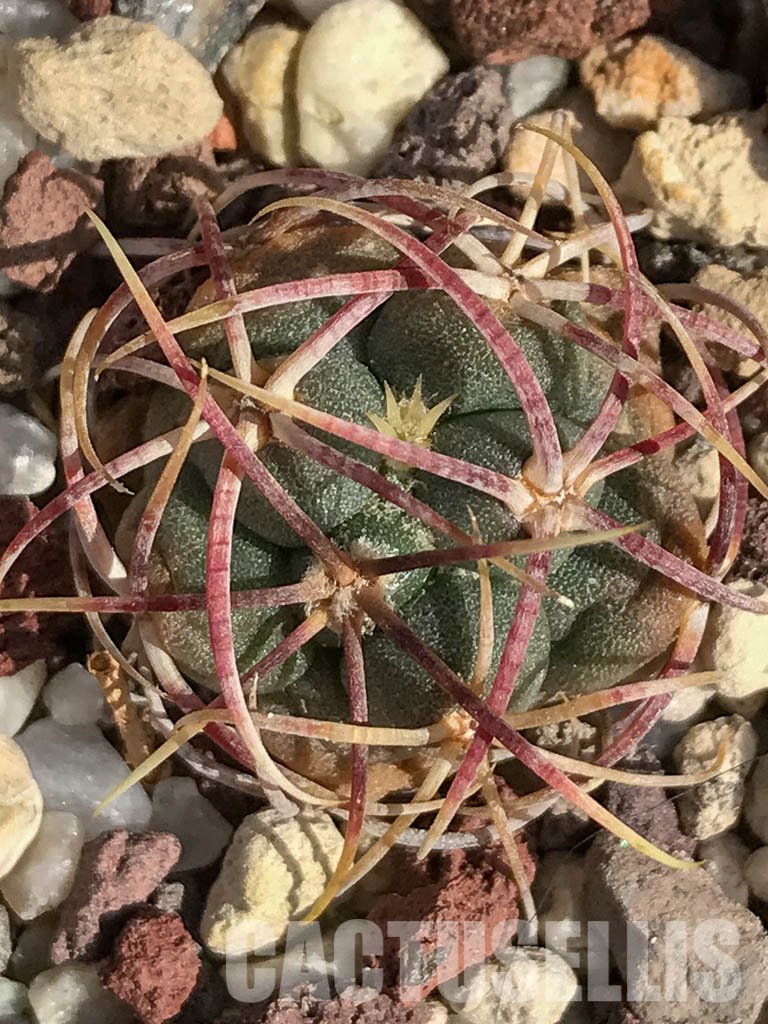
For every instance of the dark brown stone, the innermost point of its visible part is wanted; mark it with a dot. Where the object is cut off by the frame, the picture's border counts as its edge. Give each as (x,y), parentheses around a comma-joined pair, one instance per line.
(156,194)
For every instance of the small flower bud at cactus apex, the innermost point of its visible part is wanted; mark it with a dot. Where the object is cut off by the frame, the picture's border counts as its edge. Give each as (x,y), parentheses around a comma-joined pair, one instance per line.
(402,487)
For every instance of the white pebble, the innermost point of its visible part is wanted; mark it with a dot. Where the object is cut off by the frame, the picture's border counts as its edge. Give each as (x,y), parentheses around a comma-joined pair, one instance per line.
(686,708)
(559,895)
(18,694)
(532,985)
(735,645)
(73,994)
(362,67)
(37,18)
(43,878)
(259,72)
(178,807)
(76,768)
(756,871)
(14,1002)
(21,804)
(531,84)
(16,137)
(27,453)
(724,858)
(73,696)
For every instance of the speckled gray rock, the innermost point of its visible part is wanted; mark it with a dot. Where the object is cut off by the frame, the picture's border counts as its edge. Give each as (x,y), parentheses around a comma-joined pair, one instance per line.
(640,898)
(724,858)
(207,28)
(756,804)
(6,947)
(21,349)
(713,807)
(115,88)
(455,134)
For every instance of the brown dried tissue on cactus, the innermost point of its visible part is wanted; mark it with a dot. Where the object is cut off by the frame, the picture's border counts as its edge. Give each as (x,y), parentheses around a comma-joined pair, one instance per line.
(399,498)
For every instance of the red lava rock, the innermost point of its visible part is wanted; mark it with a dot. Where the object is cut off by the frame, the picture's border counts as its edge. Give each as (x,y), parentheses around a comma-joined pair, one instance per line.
(455,134)
(156,193)
(467,911)
(87,9)
(752,560)
(117,870)
(305,1009)
(42,221)
(42,570)
(505,31)
(155,967)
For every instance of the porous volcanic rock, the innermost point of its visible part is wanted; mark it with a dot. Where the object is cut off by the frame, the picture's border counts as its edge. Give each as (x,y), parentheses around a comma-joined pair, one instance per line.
(455,134)
(505,31)
(42,221)
(117,869)
(466,886)
(155,966)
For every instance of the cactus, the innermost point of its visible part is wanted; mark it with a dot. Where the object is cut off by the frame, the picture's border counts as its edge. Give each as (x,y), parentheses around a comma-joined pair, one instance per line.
(398,499)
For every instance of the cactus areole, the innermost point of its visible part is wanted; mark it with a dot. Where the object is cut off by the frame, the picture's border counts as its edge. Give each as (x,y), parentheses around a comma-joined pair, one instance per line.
(396,496)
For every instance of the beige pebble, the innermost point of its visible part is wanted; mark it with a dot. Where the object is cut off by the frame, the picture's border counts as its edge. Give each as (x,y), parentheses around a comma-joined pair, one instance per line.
(608,147)
(705,182)
(115,88)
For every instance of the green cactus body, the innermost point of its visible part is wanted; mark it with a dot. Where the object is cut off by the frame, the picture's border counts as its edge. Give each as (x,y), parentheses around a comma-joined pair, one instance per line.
(623,614)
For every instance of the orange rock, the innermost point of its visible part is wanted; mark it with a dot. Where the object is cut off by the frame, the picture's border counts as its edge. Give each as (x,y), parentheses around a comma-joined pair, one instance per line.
(223,135)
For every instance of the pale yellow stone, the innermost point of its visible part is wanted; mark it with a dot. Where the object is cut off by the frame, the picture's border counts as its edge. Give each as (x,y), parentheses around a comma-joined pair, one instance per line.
(261,72)
(706,182)
(638,79)
(21,804)
(273,872)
